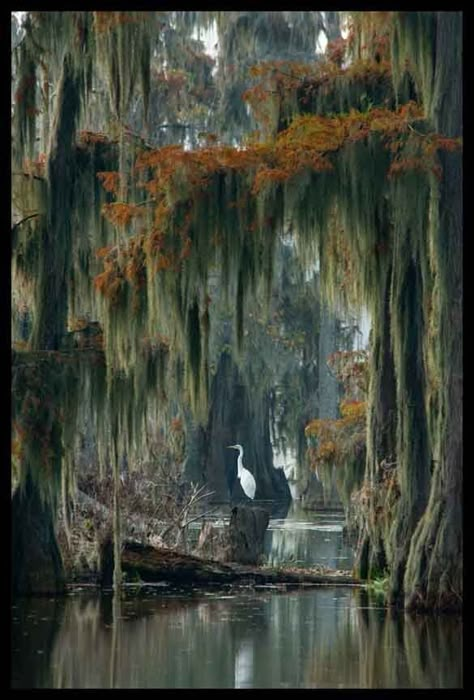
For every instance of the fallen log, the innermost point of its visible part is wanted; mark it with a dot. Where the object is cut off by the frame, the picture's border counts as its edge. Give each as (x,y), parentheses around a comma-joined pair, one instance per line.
(153,564)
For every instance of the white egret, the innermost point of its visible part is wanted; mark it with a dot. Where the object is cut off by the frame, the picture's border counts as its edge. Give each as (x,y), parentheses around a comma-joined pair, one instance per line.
(246,478)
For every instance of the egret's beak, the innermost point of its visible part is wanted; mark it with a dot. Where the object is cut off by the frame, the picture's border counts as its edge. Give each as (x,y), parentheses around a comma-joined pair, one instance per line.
(230,447)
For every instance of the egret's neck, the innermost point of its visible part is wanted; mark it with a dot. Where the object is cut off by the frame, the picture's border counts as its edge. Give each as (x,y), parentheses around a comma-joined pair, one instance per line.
(239,464)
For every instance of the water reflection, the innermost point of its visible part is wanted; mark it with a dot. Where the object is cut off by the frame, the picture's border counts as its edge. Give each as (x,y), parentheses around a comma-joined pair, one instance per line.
(243,668)
(379,648)
(305,539)
(299,538)
(35,625)
(303,639)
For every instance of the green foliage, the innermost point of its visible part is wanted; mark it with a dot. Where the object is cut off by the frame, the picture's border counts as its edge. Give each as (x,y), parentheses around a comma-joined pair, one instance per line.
(379,586)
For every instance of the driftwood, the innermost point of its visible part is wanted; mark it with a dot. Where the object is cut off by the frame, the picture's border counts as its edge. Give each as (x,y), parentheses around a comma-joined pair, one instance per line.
(156,565)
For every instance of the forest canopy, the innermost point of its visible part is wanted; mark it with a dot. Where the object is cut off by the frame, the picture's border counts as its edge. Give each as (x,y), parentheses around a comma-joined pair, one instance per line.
(166,199)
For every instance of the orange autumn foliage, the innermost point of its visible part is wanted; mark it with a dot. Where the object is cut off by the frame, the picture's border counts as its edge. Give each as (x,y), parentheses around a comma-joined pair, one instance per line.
(109,284)
(176,178)
(120,213)
(104,252)
(105,21)
(281,79)
(306,143)
(110,181)
(335,441)
(37,167)
(92,137)
(26,87)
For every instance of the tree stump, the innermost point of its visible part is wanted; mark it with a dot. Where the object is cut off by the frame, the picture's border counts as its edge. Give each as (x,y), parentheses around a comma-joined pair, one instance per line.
(246,534)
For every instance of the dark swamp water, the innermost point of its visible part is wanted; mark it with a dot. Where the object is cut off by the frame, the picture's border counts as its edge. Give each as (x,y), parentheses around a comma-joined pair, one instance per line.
(330,637)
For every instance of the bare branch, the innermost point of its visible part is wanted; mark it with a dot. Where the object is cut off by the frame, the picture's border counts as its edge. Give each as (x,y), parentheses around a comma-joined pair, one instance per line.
(22,221)
(201,515)
(418,133)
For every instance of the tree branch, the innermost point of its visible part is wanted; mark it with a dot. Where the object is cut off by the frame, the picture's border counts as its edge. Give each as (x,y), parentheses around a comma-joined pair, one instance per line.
(418,133)
(22,221)
(201,515)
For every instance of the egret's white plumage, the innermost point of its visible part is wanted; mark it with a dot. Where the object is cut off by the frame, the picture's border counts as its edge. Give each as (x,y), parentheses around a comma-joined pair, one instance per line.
(247,480)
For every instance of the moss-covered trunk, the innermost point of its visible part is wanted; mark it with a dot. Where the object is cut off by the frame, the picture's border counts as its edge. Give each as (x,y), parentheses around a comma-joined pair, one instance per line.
(55,249)
(36,561)
(413,456)
(383,389)
(381,430)
(433,577)
(419,533)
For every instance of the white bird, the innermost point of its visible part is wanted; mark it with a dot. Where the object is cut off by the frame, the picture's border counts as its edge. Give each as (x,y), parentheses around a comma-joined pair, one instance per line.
(246,478)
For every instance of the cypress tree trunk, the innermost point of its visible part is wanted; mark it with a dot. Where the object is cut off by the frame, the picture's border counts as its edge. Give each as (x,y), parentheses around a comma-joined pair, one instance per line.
(238,416)
(413,454)
(383,388)
(433,577)
(36,561)
(225,415)
(55,249)
(381,448)
(421,538)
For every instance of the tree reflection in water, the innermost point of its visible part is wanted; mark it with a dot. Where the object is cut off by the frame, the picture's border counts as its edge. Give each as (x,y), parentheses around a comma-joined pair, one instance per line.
(308,539)
(319,638)
(379,648)
(35,625)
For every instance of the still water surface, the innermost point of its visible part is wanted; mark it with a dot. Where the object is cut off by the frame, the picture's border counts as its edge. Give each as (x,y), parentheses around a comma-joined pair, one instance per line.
(301,538)
(305,539)
(331,637)
(323,638)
